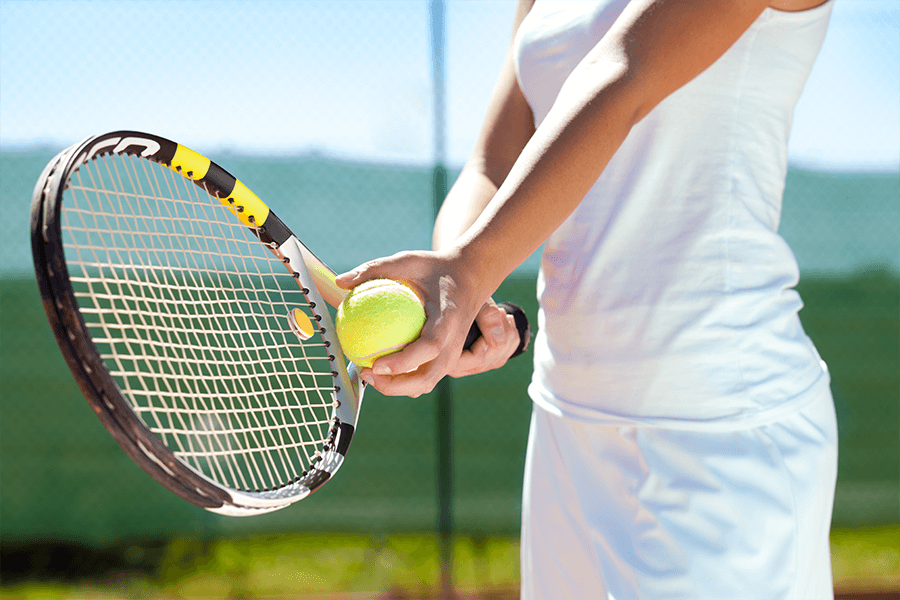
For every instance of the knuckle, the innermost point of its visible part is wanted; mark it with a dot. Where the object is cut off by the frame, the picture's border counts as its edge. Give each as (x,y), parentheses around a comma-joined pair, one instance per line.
(430,347)
(493,316)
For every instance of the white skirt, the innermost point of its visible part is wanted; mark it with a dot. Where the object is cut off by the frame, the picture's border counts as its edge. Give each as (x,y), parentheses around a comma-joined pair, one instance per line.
(623,513)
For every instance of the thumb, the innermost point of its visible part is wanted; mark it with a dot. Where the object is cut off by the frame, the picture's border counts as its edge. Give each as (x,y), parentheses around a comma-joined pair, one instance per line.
(359,275)
(391,267)
(350,279)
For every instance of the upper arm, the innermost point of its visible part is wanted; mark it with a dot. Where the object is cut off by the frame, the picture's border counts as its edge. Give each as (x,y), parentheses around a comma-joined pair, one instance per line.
(657,46)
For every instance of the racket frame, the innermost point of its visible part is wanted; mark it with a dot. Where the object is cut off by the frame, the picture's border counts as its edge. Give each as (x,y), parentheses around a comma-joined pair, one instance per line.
(93,377)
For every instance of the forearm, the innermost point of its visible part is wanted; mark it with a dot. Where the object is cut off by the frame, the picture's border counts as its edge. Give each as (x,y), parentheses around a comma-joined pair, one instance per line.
(508,125)
(465,202)
(591,118)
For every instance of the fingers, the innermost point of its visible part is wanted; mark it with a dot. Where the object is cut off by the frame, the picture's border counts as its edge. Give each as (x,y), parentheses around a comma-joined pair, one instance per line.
(413,384)
(417,368)
(492,321)
(449,300)
(413,372)
(421,351)
(357,276)
(408,267)
(485,356)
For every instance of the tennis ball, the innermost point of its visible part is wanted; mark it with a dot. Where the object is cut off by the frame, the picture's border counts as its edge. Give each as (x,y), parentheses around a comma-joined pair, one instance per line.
(376,318)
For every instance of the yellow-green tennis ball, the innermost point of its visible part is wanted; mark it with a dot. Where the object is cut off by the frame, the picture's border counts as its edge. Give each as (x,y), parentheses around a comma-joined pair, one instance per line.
(376,318)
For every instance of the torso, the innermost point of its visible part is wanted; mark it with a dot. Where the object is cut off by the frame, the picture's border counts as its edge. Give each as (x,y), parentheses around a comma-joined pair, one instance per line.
(666,296)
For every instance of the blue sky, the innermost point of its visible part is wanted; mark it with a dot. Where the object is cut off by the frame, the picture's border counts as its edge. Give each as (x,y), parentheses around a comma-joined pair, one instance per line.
(353,78)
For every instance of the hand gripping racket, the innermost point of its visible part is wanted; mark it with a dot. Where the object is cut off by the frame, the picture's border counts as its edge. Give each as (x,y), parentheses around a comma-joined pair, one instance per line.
(195,323)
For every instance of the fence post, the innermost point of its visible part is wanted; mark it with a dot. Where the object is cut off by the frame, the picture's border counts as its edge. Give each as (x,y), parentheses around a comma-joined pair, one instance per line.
(443,409)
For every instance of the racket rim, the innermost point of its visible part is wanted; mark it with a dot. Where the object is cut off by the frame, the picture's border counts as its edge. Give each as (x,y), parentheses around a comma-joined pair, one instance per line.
(135,437)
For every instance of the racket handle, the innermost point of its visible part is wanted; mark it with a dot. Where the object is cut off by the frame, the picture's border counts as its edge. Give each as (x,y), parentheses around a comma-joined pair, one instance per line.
(521,325)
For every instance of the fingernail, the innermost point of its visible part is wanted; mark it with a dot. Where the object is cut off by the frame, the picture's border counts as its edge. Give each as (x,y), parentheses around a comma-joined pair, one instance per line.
(499,334)
(367,378)
(381,370)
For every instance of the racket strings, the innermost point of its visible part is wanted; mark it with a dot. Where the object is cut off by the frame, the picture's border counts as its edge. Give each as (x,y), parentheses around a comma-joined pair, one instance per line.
(216,427)
(200,425)
(188,309)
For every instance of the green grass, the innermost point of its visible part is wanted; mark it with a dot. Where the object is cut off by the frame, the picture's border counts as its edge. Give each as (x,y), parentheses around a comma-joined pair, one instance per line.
(395,566)
(313,565)
(866,559)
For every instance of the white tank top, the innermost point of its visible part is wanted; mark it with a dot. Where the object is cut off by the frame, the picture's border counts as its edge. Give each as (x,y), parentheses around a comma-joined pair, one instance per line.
(667,296)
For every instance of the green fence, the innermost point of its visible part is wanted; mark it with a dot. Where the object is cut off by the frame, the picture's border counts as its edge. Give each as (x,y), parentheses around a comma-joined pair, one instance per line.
(64,478)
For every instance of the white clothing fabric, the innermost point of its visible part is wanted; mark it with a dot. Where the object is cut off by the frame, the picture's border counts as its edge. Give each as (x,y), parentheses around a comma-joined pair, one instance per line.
(666,297)
(640,513)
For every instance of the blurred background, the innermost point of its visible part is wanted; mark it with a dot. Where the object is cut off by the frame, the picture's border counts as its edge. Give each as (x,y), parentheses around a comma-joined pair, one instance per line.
(339,115)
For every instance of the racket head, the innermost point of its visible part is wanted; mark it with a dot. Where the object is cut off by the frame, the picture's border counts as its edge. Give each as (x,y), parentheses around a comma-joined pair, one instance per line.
(158,270)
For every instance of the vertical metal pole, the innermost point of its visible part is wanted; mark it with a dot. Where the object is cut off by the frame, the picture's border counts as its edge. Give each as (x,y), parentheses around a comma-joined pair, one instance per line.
(437,12)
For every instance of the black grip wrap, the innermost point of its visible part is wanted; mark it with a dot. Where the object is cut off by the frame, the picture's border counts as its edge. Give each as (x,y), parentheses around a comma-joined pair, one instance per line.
(522,325)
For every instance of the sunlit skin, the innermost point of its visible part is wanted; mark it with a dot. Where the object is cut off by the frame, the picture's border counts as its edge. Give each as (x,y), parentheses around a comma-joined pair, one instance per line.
(520,184)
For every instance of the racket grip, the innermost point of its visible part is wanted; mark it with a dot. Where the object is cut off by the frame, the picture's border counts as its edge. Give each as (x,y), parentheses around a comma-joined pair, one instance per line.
(522,326)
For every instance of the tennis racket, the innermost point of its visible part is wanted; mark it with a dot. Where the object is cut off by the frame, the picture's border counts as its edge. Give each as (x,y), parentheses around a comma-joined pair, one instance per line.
(195,323)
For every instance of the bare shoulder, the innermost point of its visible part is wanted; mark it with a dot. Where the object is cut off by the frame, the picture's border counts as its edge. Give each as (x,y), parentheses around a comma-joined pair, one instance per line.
(796,5)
